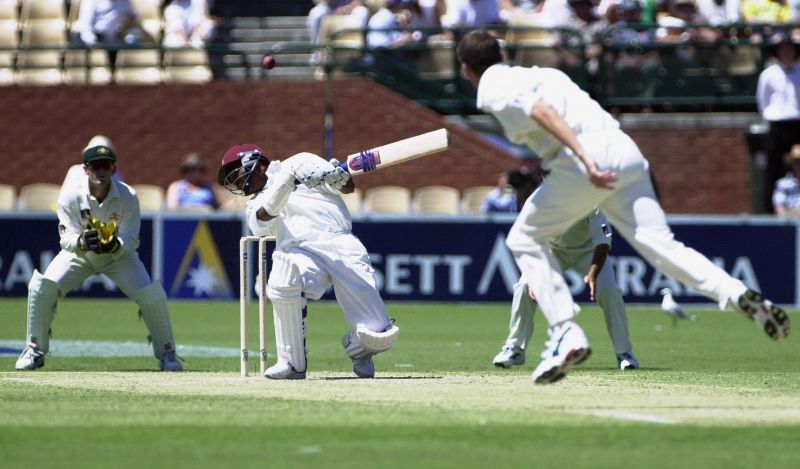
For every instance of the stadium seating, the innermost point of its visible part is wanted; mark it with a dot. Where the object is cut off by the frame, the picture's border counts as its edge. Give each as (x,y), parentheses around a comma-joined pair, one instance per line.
(473,198)
(138,67)
(38,197)
(439,200)
(38,67)
(42,10)
(437,62)
(8,198)
(532,46)
(151,197)
(341,33)
(232,203)
(151,18)
(388,199)
(353,201)
(8,40)
(186,66)
(83,66)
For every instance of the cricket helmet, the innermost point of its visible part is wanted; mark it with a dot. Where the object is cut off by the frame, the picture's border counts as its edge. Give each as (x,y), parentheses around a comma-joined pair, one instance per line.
(238,165)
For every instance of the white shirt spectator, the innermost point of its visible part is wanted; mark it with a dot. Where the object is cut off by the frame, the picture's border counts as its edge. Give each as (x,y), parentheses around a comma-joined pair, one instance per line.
(471,13)
(719,12)
(778,93)
(186,23)
(787,194)
(383,19)
(103,19)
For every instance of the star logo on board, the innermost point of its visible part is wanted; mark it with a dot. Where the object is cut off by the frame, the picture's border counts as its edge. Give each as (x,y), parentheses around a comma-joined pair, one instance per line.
(203,280)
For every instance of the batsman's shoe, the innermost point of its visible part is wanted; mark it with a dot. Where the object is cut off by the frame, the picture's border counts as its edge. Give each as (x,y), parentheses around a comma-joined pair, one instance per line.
(170,361)
(283,370)
(772,319)
(364,367)
(509,356)
(626,361)
(566,347)
(30,359)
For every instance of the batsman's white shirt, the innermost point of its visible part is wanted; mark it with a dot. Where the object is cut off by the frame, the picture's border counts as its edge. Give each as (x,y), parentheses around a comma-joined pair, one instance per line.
(72,266)
(315,230)
(566,195)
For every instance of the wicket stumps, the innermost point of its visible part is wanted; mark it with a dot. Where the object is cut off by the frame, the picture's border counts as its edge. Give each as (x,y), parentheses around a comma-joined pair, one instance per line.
(244,298)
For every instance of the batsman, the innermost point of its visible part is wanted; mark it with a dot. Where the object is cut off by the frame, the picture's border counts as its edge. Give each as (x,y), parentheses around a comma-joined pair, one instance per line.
(299,201)
(99,223)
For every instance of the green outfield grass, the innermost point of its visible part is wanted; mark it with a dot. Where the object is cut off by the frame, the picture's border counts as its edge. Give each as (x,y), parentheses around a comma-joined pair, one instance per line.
(713,393)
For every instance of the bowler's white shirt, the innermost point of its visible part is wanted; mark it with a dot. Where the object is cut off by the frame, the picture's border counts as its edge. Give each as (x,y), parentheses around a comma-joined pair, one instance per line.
(778,93)
(310,214)
(120,205)
(509,93)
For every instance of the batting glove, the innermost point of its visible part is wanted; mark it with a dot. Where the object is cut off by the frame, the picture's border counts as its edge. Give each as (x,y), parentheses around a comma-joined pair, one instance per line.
(89,241)
(338,177)
(310,175)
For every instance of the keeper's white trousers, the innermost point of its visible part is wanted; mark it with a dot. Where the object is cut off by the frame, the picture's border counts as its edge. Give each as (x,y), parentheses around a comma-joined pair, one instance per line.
(567,195)
(69,270)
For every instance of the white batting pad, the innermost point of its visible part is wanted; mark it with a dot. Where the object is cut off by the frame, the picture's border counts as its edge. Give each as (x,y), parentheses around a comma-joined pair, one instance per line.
(290,332)
(152,301)
(42,298)
(377,342)
(284,278)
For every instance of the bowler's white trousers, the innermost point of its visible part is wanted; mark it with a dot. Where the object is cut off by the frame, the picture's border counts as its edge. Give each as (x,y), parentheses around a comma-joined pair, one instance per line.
(567,195)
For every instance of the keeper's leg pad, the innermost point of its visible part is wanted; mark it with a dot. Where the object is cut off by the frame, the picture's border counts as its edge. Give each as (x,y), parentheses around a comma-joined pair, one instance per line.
(152,301)
(289,318)
(363,342)
(42,299)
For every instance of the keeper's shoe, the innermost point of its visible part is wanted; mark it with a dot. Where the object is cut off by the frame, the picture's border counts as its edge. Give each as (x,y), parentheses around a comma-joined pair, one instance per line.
(283,370)
(769,317)
(509,356)
(364,367)
(170,361)
(30,359)
(566,347)
(626,361)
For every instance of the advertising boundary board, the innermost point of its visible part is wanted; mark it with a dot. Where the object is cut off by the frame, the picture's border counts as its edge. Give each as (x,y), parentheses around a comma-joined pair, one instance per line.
(416,258)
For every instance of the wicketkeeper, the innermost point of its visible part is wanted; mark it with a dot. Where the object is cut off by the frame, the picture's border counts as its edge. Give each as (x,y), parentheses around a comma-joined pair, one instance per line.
(99,227)
(584,248)
(315,249)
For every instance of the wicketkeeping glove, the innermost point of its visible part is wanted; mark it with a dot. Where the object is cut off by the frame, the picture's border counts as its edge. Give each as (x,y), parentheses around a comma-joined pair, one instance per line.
(311,176)
(337,177)
(89,240)
(109,246)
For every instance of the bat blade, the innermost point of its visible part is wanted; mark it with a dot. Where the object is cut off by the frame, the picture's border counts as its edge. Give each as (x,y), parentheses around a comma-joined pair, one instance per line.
(397,152)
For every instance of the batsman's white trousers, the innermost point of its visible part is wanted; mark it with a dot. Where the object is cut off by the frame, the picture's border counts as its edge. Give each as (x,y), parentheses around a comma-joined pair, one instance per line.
(567,195)
(342,261)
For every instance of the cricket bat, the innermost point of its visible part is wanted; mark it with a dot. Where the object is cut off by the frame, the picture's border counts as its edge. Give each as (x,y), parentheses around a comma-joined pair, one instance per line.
(397,152)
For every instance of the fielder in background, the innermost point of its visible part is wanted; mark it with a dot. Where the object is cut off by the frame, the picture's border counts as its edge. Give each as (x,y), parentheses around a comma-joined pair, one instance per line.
(584,247)
(99,223)
(592,164)
(315,249)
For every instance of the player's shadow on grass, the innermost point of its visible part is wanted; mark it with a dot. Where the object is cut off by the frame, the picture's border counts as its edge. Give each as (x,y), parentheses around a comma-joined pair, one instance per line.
(340,378)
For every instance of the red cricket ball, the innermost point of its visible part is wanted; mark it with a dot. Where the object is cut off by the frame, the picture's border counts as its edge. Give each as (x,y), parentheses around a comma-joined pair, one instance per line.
(269,62)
